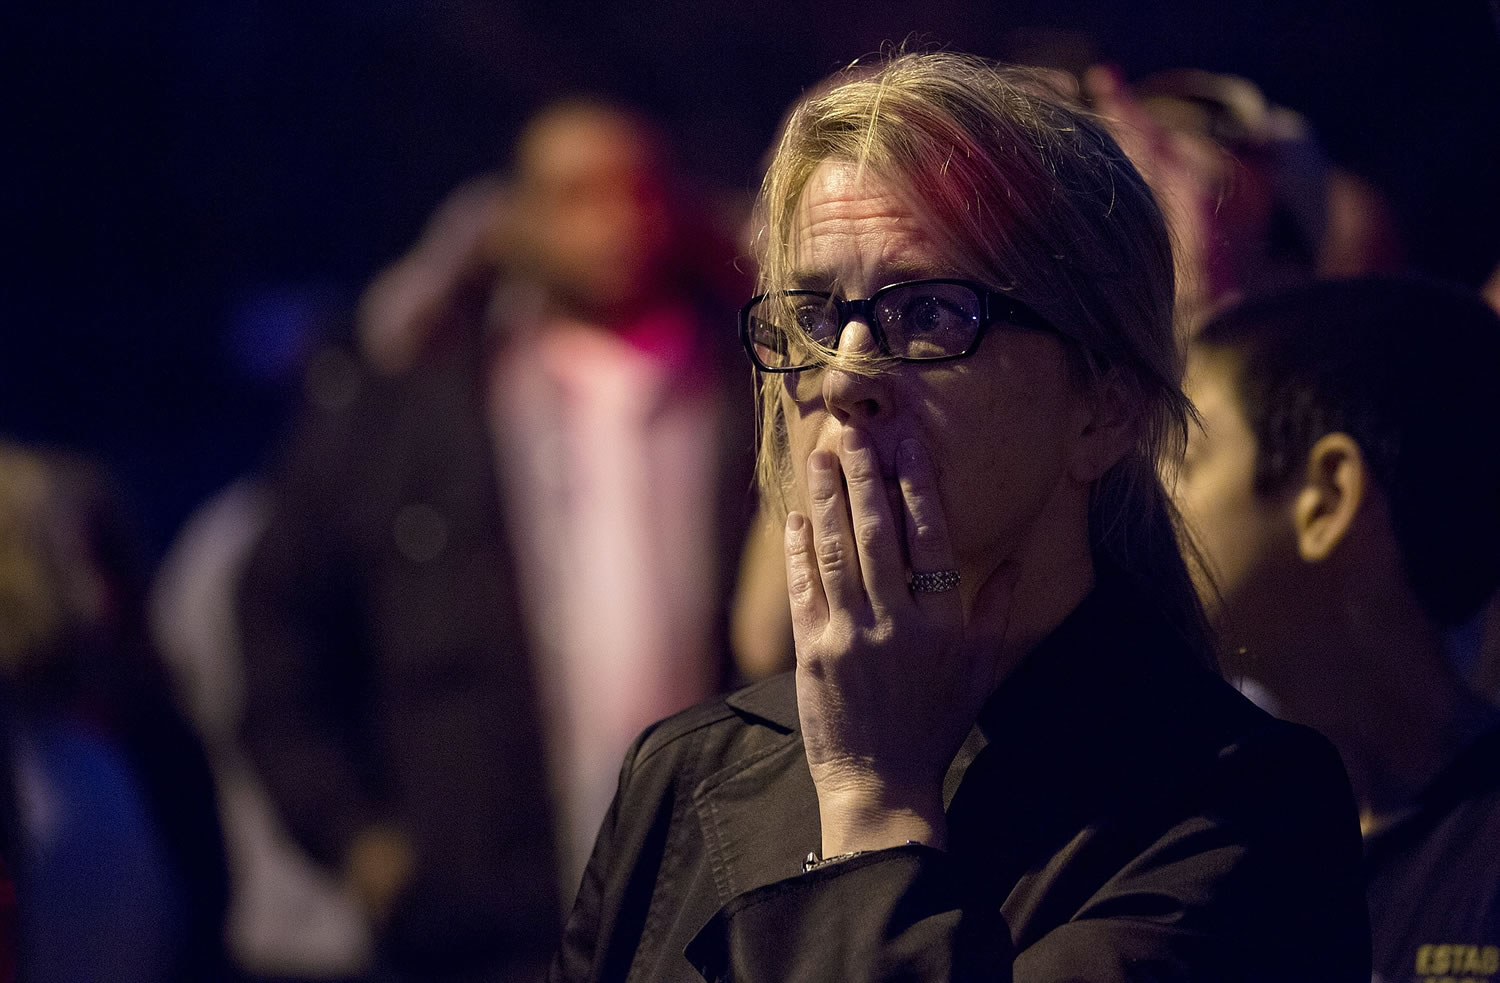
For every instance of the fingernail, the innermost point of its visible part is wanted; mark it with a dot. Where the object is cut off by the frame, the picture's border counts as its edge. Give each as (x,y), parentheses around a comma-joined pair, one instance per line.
(795,521)
(853,440)
(820,461)
(911,452)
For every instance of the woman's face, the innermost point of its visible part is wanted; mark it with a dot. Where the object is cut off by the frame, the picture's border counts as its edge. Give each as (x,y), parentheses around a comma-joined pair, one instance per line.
(1007,431)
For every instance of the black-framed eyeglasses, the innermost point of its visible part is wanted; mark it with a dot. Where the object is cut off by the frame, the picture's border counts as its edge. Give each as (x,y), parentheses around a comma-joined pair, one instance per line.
(914,321)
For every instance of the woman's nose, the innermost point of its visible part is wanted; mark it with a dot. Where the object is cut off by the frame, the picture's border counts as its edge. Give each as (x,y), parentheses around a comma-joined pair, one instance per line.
(850,395)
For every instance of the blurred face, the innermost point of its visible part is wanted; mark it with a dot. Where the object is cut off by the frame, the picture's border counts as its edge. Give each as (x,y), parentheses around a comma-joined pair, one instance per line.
(596,222)
(1001,426)
(1247,538)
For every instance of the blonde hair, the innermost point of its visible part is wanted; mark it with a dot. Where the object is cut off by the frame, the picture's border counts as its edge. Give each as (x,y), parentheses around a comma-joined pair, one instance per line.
(53,592)
(1029,194)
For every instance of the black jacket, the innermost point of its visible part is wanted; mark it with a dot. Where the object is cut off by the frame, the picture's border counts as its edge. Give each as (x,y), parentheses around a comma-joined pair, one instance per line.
(1130,817)
(387,676)
(387,670)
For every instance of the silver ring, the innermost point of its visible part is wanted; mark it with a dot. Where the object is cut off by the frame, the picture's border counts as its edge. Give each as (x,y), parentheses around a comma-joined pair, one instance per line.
(933,583)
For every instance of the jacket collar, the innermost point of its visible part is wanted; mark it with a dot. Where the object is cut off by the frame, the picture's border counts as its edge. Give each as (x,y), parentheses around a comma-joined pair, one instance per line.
(1069,656)
(759,815)
(773,701)
(1091,702)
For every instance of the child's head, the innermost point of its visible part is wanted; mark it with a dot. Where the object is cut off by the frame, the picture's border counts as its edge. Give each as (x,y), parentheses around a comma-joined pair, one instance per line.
(1321,401)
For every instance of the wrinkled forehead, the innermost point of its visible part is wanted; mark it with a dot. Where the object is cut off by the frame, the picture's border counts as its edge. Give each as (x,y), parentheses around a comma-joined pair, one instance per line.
(851,223)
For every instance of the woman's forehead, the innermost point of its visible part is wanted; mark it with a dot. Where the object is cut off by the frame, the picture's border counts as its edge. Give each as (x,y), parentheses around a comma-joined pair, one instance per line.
(853,224)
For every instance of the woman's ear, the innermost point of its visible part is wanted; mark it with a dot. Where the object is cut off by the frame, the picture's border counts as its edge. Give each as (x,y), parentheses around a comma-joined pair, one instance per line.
(1109,428)
(1333,490)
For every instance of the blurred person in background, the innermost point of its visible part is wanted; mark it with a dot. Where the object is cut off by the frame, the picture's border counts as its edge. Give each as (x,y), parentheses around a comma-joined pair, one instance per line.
(119,871)
(288,919)
(1253,201)
(1256,205)
(501,546)
(1345,492)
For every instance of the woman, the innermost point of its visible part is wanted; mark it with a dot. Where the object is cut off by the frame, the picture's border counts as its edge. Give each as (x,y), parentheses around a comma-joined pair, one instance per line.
(1004,752)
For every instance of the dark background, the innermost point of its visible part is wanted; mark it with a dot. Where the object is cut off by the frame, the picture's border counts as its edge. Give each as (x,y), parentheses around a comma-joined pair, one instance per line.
(196,186)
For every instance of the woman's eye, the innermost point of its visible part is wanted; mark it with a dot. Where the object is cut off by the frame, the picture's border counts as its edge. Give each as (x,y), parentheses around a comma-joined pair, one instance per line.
(925,315)
(815,319)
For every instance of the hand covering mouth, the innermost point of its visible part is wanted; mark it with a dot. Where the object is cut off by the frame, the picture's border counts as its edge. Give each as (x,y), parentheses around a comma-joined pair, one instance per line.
(897,506)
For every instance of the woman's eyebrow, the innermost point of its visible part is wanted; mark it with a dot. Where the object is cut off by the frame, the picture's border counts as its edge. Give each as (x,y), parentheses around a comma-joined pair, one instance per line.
(899,272)
(811,280)
(895,272)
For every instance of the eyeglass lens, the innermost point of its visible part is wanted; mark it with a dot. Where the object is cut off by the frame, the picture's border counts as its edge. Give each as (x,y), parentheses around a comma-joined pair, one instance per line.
(918,321)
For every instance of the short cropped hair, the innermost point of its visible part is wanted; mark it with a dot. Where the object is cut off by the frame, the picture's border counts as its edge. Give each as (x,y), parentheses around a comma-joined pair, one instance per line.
(1027,192)
(1408,368)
